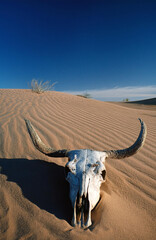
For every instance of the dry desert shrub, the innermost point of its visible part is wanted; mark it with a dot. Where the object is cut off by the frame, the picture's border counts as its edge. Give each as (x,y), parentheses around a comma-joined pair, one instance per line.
(40,86)
(85,95)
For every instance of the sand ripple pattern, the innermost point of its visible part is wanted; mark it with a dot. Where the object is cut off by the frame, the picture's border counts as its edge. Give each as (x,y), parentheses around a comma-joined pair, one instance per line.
(72,122)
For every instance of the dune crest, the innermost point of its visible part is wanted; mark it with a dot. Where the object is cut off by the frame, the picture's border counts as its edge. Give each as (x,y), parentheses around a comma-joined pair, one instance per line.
(34,201)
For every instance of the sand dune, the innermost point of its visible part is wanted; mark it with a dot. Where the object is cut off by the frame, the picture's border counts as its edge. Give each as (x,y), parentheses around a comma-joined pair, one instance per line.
(34,201)
(150,101)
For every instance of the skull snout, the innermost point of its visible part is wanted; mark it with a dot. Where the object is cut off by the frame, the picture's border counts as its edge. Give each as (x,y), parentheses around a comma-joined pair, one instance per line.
(82,211)
(82,205)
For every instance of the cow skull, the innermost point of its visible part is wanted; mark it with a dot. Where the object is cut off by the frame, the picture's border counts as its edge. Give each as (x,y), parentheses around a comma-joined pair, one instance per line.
(85,172)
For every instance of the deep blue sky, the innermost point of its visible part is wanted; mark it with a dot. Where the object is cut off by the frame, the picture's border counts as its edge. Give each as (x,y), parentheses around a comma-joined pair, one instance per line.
(83,45)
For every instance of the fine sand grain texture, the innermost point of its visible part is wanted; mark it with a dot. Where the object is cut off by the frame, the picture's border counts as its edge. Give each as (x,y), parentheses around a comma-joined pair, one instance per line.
(34,201)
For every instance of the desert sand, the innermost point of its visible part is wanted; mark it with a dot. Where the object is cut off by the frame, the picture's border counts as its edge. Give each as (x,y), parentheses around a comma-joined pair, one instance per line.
(34,202)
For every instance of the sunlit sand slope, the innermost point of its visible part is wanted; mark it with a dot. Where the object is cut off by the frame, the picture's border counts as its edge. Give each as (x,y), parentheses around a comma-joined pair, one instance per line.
(34,201)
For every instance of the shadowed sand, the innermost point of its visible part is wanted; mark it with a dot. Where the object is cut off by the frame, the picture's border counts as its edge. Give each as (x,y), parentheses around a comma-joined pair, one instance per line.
(34,201)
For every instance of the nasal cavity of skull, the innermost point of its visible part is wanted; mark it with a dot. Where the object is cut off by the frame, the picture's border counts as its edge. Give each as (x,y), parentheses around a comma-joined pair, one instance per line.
(82,207)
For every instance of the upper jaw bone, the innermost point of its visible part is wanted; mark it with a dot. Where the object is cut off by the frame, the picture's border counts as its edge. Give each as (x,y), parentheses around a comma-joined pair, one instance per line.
(82,212)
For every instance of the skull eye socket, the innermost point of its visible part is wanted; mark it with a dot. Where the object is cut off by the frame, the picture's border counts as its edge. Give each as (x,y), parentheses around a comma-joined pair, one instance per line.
(104,174)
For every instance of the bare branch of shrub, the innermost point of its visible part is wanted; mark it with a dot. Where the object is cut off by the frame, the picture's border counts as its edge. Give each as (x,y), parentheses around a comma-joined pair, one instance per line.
(40,86)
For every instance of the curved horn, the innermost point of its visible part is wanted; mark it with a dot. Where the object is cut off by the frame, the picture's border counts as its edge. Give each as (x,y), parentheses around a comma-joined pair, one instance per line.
(41,146)
(127,152)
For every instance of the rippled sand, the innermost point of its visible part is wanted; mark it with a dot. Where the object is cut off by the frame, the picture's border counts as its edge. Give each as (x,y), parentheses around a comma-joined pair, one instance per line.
(34,201)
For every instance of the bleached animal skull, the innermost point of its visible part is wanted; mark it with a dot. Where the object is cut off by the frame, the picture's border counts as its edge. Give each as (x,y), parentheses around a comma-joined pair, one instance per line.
(85,172)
